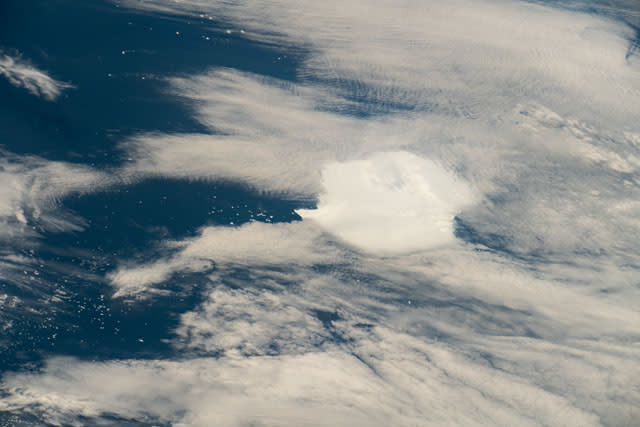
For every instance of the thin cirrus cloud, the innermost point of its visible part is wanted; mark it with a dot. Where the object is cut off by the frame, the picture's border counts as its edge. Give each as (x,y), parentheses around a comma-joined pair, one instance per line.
(420,324)
(21,73)
(377,375)
(314,388)
(510,125)
(467,58)
(32,187)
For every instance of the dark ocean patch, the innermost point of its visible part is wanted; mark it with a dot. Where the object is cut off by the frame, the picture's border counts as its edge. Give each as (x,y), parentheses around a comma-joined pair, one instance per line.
(65,306)
(133,217)
(117,60)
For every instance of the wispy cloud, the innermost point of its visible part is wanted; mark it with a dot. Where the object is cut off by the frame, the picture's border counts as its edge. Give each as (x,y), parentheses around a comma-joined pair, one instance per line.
(30,191)
(431,331)
(402,381)
(21,73)
(251,244)
(469,58)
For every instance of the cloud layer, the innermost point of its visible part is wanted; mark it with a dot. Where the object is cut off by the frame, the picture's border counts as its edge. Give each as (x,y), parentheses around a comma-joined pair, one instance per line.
(473,258)
(390,203)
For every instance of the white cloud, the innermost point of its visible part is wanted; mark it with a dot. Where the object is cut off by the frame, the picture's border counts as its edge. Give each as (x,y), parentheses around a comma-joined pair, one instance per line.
(314,388)
(444,326)
(527,165)
(391,203)
(469,57)
(30,191)
(269,135)
(531,107)
(21,73)
(251,322)
(388,378)
(256,243)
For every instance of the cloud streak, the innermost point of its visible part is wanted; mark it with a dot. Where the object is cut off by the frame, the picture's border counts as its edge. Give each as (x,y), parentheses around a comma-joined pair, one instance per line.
(32,188)
(21,73)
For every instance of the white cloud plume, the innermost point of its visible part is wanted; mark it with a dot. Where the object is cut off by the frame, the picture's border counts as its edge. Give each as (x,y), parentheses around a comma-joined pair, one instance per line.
(251,244)
(21,73)
(390,203)
(269,135)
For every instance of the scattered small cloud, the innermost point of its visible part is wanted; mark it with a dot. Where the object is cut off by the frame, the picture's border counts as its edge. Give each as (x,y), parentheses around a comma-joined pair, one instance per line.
(21,73)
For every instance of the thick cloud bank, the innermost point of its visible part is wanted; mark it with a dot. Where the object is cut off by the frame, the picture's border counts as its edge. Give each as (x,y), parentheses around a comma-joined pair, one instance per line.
(390,203)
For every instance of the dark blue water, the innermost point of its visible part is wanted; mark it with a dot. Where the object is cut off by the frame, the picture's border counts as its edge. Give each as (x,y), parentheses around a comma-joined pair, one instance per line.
(115,96)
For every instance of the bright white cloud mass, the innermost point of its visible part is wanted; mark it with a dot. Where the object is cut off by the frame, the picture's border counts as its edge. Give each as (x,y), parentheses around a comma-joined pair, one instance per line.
(392,202)
(474,256)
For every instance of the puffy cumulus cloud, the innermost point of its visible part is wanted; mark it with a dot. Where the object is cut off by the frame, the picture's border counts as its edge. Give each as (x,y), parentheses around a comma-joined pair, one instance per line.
(526,315)
(22,74)
(522,112)
(30,191)
(390,203)
(521,99)
(527,166)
